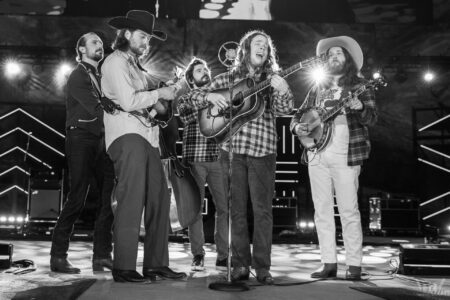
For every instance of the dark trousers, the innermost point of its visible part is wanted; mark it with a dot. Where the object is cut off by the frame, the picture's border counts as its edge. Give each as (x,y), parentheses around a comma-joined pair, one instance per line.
(257,175)
(86,159)
(141,186)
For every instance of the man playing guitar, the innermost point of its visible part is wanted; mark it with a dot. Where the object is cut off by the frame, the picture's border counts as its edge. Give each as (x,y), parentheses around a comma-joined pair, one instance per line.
(254,151)
(335,167)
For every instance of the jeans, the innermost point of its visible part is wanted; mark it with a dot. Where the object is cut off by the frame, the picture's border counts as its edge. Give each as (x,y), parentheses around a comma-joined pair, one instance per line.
(213,174)
(86,158)
(257,176)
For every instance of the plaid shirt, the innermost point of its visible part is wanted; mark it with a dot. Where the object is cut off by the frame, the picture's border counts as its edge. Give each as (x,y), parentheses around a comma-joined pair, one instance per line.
(359,143)
(257,137)
(196,148)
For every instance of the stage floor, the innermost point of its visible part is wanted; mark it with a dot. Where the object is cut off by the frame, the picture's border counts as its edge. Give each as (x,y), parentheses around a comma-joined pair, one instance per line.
(291,263)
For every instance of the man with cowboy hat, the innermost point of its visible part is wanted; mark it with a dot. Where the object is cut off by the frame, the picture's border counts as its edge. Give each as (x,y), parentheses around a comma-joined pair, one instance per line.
(132,144)
(335,169)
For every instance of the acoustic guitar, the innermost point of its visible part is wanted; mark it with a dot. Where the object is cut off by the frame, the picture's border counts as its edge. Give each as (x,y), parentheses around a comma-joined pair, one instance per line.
(245,105)
(319,120)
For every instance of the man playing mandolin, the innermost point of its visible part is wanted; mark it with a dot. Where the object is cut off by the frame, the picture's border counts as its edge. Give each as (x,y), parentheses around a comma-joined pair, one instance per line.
(254,151)
(133,146)
(335,162)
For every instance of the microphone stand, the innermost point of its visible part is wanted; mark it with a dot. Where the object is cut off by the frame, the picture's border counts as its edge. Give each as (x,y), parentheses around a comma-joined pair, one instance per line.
(229,285)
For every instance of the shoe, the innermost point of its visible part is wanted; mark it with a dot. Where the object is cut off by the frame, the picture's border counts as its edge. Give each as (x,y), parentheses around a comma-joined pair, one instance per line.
(127,276)
(328,271)
(163,272)
(99,264)
(198,262)
(353,273)
(240,273)
(222,264)
(263,276)
(62,265)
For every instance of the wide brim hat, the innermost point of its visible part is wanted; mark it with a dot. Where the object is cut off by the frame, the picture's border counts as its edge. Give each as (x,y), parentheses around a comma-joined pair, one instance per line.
(138,19)
(346,42)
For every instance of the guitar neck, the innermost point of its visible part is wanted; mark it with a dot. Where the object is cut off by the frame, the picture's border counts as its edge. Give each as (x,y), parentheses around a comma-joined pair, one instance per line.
(335,110)
(266,83)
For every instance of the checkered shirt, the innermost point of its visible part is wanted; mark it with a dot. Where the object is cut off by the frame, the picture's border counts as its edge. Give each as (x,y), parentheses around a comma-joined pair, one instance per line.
(358,122)
(258,137)
(196,148)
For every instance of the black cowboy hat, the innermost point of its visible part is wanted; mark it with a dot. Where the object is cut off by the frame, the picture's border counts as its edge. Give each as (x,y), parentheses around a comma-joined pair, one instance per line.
(138,19)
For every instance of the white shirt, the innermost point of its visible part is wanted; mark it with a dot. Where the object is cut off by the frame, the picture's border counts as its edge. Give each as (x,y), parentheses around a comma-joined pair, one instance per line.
(340,132)
(125,84)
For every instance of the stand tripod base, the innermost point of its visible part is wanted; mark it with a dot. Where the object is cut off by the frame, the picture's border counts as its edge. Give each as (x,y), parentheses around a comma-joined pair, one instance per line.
(226,286)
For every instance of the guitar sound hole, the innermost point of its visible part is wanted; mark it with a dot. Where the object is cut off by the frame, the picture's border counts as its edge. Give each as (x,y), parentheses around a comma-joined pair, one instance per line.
(237,100)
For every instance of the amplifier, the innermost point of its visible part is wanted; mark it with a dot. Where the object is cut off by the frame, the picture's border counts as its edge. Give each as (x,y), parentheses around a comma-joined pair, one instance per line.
(6,252)
(424,259)
(402,216)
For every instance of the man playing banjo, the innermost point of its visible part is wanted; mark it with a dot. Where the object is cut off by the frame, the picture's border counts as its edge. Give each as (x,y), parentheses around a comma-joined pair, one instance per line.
(334,166)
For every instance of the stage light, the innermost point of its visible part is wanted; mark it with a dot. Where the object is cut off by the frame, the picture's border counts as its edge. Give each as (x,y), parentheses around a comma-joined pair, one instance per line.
(12,69)
(62,74)
(428,76)
(318,74)
(3,219)
(303,224)
(311,224)
(19,219)
(376,75)
(11,219)
(448,227)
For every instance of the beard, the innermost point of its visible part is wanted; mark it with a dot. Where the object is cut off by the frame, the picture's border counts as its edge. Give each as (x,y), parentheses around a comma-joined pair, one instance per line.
(202,82)
(138,51)
(96,56)
(336,68)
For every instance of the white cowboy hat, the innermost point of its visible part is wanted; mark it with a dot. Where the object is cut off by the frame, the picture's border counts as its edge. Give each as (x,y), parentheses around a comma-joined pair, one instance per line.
(345,42)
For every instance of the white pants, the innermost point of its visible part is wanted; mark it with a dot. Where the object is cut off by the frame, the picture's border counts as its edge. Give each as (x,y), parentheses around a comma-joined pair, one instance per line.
(328,170)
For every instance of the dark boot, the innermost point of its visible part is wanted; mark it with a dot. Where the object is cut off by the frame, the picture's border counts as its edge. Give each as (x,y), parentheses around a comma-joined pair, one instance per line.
(328,271)
(163,272)
(353,273)
(99,264)
(62,265)
(127,276)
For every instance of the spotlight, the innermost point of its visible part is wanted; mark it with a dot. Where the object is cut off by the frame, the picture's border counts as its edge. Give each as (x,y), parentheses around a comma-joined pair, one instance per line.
(64,69)
(428,76)
(19,219)
(3,219)
(448,227)
(62,74)
(303,224)
(11,219)
(376,75)
(12,69)
(311,224)
(318,75)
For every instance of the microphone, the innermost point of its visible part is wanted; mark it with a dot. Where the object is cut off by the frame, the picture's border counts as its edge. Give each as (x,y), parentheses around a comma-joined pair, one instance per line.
(228,53)
(28,147)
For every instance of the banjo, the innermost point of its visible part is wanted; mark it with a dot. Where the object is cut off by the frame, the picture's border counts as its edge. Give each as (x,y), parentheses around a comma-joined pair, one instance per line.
(319,120)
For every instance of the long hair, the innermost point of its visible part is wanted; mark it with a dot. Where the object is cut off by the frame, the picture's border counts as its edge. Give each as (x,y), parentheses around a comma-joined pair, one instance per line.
(121,42)
(243,55)
(190,69)
(351,76)
(82,43)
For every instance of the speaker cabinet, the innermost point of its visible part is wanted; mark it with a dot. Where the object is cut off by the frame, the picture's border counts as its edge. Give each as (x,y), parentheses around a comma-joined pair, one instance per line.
(424,259)
(44,204)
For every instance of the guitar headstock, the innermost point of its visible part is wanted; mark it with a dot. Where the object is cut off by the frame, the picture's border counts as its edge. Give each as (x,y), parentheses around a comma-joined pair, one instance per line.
(377,82)
(315,62)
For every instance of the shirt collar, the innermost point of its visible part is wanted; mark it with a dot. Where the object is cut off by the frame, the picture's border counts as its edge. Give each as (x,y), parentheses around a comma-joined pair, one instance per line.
(89,66)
